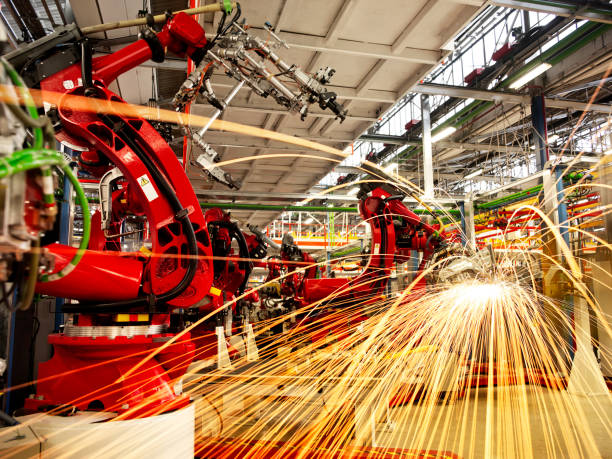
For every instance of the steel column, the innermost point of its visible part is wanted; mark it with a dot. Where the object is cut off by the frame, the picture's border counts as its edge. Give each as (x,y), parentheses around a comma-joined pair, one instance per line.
(470,229)
(603,267)
(540,136)
(427,148)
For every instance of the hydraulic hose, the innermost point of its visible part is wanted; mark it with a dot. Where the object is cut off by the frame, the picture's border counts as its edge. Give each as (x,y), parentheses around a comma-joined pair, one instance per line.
(180,214)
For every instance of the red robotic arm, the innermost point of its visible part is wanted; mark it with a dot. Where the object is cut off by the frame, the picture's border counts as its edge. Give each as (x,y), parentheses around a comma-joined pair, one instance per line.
(380,206)
(179,271)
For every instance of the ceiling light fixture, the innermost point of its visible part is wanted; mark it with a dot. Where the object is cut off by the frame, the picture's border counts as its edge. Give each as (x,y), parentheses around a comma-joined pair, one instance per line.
(444,133)
(473,174)
(533,73)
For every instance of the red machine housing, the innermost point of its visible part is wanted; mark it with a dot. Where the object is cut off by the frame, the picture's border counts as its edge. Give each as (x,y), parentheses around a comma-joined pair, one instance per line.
(88,373)
(381,209)
(88,368)
(167,267)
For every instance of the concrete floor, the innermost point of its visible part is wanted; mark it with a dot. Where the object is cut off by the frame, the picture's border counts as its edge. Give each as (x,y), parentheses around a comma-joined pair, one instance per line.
(552,423)
(550,427)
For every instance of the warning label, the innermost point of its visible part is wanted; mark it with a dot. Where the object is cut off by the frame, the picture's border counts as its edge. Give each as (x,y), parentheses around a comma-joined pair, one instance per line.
(147,187)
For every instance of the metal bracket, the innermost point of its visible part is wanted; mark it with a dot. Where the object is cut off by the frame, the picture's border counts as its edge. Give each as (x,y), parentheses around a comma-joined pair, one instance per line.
(105,191)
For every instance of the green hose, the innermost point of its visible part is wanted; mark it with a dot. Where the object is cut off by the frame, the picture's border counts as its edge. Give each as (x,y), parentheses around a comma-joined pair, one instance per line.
(28,101)
(86,230)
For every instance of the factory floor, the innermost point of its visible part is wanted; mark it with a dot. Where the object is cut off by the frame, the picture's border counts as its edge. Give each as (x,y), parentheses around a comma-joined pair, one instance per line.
(549,426)
(553,424)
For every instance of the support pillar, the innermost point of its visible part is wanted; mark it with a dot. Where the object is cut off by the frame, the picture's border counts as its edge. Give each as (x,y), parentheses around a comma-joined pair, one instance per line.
(427,148)
(585,378)
(467,222)
(540,135)
(602,269)
(556,285)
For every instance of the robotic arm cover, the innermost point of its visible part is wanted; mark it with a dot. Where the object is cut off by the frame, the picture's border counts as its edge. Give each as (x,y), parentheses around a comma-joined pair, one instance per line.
(179,271)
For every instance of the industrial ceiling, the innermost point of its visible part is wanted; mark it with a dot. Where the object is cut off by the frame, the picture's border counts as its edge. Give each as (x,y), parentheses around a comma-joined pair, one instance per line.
(379,50)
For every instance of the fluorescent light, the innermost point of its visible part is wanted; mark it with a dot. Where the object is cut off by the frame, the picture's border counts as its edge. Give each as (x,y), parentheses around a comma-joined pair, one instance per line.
(473,174)
(553,138)
(391,167)
(533,73)
(308,221)
(444,133)
(583,158)
(353,191)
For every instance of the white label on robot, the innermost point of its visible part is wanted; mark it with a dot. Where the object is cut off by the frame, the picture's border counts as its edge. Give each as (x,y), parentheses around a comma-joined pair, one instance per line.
(68,84)
(147,187)
(376,248)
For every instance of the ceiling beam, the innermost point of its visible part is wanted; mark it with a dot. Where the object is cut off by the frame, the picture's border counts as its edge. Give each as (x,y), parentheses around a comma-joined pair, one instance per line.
(262,168)
(232,139)
(437,176)
(561,8)
(500,97)
(342,17)
(292,197)
(278,111)
(269,149)
(217,136)
(362,49)
(400,140)
(402,40)
(283,14)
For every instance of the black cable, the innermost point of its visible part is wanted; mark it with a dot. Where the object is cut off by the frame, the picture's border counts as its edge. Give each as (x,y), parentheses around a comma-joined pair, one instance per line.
(234,19)
(243,247)
(181,214)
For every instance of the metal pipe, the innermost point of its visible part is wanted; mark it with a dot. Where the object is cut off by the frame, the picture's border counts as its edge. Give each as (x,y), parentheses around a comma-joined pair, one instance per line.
(318,209)
(226,102)
(277,208)
(510,185)
(157,19)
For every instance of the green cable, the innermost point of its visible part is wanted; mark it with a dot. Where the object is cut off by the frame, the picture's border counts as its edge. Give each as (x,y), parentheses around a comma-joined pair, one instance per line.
(28,101)
(32,158)
(28,159)
(86,230)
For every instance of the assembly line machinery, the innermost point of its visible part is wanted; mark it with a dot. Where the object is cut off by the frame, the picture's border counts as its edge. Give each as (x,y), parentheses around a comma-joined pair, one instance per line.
(155,310)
